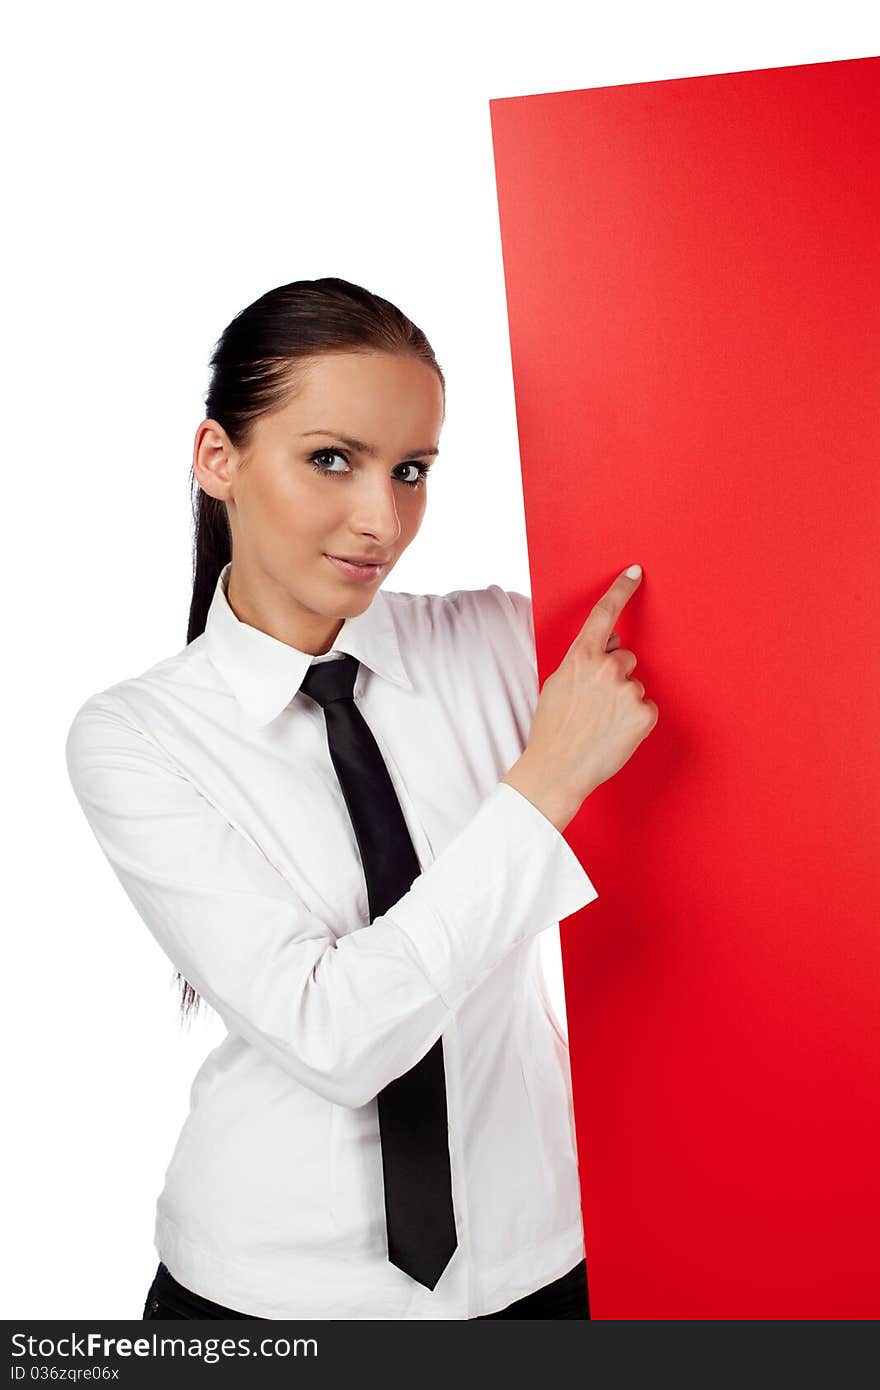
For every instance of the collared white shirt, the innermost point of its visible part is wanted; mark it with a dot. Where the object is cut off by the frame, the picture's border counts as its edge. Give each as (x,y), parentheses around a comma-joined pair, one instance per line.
(208,784)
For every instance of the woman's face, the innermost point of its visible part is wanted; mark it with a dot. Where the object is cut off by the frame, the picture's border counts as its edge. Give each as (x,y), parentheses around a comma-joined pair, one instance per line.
(339,471)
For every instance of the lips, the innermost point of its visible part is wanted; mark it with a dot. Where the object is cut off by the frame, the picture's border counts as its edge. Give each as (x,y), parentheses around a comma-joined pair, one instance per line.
(358,560)
(360,571)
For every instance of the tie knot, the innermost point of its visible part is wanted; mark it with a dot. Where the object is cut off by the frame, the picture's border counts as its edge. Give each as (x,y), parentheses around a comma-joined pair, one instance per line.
(326,681)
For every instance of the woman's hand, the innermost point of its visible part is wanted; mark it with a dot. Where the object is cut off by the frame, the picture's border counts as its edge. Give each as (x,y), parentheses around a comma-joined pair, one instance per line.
(590,717)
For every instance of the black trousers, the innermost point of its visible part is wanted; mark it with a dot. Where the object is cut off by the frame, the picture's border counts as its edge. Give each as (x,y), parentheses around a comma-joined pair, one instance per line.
(565,1297)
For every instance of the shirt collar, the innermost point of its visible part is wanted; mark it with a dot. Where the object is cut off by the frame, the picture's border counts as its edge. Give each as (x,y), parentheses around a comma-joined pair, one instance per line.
(264,673)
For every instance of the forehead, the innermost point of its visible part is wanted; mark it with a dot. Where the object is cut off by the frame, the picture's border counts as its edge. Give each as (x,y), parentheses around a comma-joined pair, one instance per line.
(365,394)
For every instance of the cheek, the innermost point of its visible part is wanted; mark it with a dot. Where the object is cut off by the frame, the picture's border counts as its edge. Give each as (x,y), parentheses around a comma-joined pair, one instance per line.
(412,500)
(293,503)
(411,515)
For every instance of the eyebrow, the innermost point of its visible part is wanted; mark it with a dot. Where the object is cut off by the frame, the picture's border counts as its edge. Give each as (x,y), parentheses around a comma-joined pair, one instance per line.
(360,445)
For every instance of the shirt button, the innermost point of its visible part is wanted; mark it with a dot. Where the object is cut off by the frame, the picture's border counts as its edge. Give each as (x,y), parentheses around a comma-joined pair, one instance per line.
(155,1305)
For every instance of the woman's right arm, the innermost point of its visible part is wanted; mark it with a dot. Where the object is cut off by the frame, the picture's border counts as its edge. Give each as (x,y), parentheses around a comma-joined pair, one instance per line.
(344,1016)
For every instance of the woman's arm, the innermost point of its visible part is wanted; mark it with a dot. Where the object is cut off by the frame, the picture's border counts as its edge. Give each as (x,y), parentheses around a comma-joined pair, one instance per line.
(343,1016)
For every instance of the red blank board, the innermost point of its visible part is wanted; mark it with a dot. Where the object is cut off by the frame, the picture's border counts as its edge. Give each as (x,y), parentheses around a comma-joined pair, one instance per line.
(692,271)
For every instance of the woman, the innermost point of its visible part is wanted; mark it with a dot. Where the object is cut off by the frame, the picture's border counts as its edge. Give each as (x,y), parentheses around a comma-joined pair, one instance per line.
(354,876)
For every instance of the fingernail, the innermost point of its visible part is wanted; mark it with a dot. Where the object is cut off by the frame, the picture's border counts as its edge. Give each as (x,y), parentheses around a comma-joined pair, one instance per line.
(634,571)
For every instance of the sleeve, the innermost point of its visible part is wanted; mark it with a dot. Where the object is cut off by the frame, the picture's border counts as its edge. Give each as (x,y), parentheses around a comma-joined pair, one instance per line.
(344,1016)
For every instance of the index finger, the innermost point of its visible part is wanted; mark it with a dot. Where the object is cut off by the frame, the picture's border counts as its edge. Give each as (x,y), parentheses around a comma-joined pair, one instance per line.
(604,614)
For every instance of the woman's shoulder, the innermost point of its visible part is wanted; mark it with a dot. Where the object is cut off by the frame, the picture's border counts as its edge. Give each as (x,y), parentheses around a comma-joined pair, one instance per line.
(490,598)
(126,702)
(493,614)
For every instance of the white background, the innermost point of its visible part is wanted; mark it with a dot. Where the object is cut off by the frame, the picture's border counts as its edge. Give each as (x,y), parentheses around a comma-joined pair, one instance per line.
(163,168)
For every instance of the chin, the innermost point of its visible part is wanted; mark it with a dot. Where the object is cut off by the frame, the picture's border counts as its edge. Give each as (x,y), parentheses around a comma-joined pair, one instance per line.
(347,605)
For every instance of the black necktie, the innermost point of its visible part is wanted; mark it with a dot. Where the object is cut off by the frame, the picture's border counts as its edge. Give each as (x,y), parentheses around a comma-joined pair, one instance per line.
(419,1213)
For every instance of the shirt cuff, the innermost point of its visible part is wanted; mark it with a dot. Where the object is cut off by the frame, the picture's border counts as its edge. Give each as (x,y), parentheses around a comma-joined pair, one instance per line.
(507,875)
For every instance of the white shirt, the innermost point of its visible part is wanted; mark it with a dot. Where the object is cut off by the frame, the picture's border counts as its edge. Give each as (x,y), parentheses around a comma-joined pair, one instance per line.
(208,784)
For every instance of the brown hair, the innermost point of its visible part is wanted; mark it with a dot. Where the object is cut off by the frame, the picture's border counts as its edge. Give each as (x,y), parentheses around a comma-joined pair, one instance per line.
(253,374)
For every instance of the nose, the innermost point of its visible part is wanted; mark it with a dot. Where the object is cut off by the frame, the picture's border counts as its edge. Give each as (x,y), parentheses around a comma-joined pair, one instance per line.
(375,511)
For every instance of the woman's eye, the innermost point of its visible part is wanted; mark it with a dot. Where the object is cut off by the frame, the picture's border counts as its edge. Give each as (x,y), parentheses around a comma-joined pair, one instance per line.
(421,471)
(323,454)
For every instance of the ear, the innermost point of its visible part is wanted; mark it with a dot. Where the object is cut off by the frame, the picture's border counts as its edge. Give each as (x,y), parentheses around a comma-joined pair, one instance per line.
(214,460)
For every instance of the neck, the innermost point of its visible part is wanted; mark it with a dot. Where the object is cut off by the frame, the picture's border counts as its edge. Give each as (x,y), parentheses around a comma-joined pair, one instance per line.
(272,610)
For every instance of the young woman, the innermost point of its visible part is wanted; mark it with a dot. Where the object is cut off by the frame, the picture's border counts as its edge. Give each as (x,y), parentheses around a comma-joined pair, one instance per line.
(386,1130)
